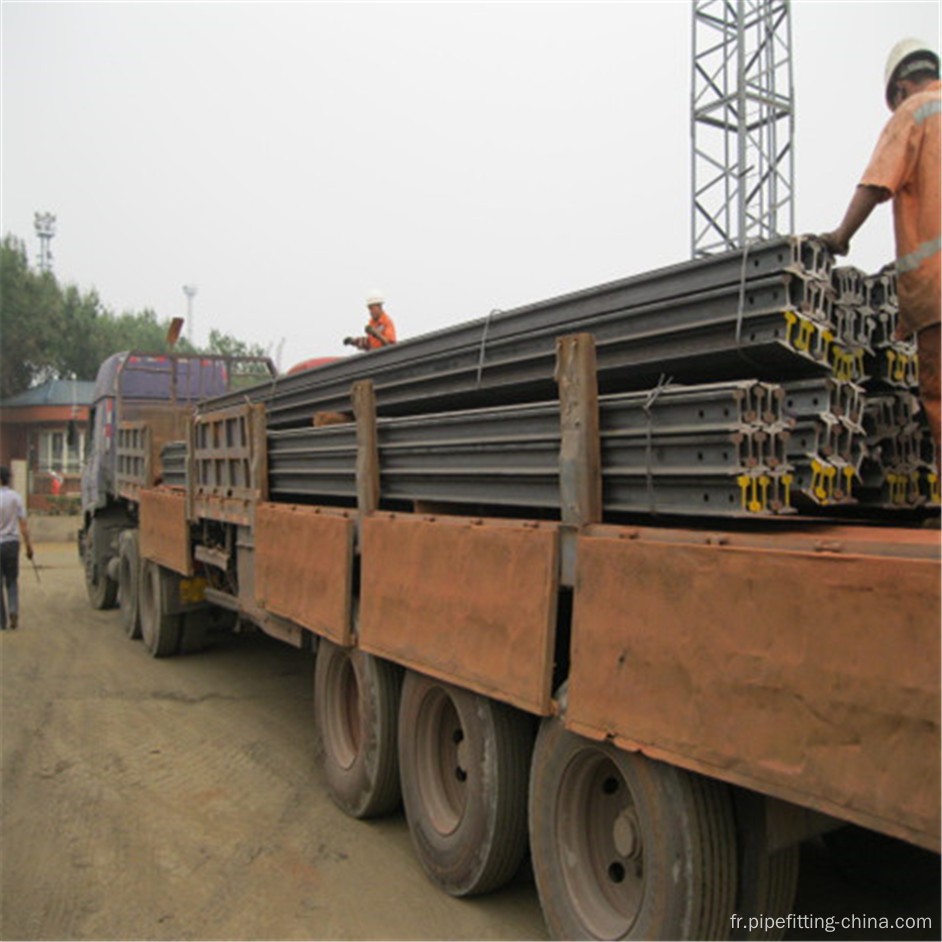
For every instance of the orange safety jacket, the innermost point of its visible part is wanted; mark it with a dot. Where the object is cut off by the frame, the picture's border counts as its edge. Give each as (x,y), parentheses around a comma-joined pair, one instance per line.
(385,326)
(907,163)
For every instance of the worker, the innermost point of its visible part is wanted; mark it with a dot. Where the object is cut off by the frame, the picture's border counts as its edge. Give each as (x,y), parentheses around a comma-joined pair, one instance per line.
(380,330)
(12,525)
(906,165)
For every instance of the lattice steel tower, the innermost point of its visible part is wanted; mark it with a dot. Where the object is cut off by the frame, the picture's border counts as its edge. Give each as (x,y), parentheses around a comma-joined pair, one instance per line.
(742,123)
(45,225)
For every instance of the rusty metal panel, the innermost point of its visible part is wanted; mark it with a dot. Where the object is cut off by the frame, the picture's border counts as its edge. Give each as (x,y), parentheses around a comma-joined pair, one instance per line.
(304,567)
(467,601)
(803,536)
(165,533)
(814,678)
(229,463)
(144,430)
(235,510)
(134,459)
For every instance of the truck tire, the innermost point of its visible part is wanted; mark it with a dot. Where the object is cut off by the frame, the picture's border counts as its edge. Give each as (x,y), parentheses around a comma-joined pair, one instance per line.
(768,879)
(625,847)
(356,702)
(777,890)
(463,760)
(102,591)
(129,580)
(159,630)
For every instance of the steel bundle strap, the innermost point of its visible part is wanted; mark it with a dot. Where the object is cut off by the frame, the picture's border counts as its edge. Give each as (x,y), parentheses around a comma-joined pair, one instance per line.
(649,402)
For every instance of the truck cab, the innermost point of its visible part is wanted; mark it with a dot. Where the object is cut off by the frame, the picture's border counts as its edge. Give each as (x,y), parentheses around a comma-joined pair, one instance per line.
(141,401)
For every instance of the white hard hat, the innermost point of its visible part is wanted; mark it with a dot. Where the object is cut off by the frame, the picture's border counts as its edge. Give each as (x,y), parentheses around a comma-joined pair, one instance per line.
(374,297)
(920,55)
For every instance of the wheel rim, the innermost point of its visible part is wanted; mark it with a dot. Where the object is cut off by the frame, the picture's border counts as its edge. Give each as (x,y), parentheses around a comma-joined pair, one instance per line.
(441,761)
(342,729)
(601,845)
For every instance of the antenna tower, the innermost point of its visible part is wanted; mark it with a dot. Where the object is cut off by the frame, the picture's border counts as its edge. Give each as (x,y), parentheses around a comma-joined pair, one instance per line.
(742,123)
(45,225)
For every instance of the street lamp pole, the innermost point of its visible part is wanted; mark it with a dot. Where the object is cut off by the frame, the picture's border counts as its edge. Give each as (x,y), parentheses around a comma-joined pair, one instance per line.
(190,292)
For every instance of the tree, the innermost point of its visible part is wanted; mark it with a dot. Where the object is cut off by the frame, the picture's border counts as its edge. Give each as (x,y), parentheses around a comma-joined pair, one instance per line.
(30,320)
(227,345)
(48,331)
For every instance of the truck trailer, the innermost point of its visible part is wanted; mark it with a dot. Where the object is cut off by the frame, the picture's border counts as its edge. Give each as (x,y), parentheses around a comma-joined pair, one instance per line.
(644,580)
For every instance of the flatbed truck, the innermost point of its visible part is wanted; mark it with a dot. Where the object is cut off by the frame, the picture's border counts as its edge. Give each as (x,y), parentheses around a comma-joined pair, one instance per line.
(660,708)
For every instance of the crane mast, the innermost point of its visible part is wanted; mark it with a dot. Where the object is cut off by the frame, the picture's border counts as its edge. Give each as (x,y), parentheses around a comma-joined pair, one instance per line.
(742,124)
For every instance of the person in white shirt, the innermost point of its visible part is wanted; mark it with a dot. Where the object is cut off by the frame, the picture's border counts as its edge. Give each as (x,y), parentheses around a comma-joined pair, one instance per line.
(12,525)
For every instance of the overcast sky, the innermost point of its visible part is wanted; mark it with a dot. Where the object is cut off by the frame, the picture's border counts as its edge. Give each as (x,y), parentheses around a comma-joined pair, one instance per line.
(289,158)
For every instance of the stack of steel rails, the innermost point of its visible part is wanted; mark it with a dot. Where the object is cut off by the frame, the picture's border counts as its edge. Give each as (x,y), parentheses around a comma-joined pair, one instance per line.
(468,415)
(765,313)
(891,361)
(901,467)
(707,449)
(173,464)
(825,439)
(895,459)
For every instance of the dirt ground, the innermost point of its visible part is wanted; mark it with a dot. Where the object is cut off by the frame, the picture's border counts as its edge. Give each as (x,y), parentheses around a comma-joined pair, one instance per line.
(182,799)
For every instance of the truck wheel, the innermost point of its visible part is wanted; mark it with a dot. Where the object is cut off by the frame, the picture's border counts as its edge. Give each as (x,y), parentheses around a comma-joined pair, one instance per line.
(464,761)
(356,700)
(768,879)
(625,847)
(129,579)
(194,631)
(159,631)
(102,591)
(777,890)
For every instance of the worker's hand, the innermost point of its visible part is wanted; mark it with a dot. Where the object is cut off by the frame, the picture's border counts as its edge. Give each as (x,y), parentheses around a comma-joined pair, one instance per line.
(378,334)
(351,341)
(835,242)
(29,553)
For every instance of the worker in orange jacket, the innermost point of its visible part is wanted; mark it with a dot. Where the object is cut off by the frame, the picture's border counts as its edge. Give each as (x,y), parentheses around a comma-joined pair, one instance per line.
(380,331)
(906,165)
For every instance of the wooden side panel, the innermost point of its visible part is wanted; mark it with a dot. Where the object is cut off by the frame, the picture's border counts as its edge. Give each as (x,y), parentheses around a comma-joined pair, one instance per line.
(468,602)
(304,567)
(811,677)
(165,533)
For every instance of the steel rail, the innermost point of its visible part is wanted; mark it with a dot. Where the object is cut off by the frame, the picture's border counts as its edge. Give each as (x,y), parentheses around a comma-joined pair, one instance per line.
(796,255)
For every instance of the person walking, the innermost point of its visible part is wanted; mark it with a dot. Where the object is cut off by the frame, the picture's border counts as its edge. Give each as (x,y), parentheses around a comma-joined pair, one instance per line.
(906,165)
(380,330)
(13,524)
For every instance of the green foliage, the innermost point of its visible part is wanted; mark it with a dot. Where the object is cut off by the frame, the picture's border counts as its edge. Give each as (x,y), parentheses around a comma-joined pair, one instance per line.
(48,331)
(29,317)
(227,345)
(64,505)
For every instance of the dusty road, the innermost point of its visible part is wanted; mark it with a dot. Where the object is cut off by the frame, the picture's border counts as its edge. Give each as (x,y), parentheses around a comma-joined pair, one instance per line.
(181,799)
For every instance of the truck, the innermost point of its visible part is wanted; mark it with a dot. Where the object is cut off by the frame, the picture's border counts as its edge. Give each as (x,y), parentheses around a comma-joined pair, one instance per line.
(642,581)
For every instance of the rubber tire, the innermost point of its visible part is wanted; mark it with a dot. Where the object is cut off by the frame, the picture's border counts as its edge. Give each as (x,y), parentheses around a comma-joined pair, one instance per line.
(356,705)
(102,591)
(681,843)
(129,580)
(471,837)
(194,630)
(160,632)
(775,894)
